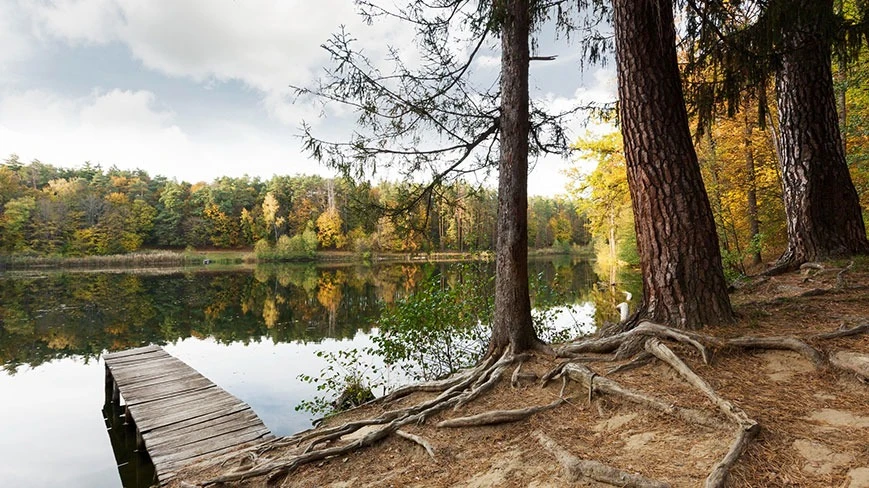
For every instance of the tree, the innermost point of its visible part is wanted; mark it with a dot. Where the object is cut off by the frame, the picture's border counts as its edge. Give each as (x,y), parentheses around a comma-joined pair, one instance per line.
(512,326)
(435,119)
(604,191)
(271,207)
(791,40)
(683,279)
(821,203)
(329,229)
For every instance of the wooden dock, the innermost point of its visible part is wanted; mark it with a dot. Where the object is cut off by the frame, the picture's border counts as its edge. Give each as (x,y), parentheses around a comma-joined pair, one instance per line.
(180,416)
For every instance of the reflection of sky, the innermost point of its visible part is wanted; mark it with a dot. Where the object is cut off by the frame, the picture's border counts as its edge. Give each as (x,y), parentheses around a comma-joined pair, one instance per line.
(51,427)
(265,375)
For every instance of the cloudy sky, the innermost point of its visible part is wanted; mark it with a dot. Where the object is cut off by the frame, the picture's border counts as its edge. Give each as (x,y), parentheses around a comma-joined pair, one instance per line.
(196,89)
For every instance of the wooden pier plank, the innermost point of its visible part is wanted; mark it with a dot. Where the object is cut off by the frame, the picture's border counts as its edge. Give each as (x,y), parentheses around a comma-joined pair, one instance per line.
(182,416)
(132,352)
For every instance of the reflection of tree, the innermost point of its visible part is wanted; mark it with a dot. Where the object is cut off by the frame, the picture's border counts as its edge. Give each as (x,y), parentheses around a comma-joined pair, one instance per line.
(329,294)
(614,280)
(270,312)
(82,314)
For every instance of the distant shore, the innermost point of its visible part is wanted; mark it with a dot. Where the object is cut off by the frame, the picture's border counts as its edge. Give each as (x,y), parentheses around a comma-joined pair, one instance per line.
(161,258)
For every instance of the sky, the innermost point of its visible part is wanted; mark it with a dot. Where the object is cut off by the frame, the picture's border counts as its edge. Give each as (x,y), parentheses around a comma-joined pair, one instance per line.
(197,89)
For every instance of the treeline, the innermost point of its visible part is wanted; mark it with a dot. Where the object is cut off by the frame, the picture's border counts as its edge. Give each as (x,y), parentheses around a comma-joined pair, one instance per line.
(47,210)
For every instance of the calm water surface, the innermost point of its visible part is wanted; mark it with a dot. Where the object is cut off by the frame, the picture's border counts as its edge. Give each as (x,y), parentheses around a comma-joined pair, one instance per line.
(253,332)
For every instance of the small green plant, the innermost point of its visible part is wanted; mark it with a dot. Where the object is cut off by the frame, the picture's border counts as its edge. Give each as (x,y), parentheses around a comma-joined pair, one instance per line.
(347,381)
(438,330)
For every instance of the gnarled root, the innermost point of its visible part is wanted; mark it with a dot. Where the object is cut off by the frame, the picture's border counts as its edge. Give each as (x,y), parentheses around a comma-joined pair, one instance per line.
(843,332)
(718,477)
(785,343)
(601,384)
(498,416)
(664,353)
(575,468)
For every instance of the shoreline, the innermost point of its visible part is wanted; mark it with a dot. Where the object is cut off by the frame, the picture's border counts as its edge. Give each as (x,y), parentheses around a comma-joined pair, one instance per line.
(181,261)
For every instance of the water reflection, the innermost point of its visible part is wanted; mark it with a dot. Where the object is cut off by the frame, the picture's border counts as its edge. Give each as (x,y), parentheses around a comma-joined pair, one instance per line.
(252,332)
(58,315)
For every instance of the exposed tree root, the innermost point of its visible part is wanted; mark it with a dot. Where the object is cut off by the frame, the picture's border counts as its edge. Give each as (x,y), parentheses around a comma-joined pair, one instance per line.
(639,361)
(575,468)
(519,375)
(665,354)
(498,416)
(785,343)
(843,332)
(644,328)
(840,276)
(644,344)
(601,384)
(718,477)
(419,440)
(469,385)
(514,378)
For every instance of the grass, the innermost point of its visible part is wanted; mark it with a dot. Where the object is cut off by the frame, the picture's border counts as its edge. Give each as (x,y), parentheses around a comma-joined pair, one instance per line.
(138,259)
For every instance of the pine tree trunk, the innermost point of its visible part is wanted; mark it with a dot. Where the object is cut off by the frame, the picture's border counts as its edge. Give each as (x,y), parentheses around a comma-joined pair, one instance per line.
(821,204)
(683,280)
(512,323)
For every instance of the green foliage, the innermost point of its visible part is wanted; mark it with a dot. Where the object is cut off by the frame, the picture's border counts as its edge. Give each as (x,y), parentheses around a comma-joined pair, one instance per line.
(438,330)
(346,382)
(299,247)
(734,259)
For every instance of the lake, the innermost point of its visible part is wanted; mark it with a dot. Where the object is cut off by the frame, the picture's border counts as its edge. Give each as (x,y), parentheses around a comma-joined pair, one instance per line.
(252,331)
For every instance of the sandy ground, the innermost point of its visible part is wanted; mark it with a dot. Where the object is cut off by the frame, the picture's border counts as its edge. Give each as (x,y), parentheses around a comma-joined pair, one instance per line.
(815,423)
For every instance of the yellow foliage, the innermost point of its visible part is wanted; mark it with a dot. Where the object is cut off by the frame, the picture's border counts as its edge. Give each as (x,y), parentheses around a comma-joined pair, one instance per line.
(270,312)
(329,230)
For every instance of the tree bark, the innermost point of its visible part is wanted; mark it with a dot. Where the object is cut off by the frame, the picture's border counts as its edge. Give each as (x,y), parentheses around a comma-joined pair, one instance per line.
(822,206)
(512,324)
(683,279)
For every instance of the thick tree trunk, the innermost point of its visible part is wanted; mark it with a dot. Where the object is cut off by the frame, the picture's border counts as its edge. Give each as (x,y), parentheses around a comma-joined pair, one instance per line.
(512,324)
(821,203)
(683,280)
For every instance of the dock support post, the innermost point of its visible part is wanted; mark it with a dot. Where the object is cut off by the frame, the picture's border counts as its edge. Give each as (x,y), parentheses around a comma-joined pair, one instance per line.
(110,385)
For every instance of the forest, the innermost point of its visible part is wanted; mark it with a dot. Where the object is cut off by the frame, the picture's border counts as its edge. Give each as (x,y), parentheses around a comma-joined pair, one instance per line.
(88,210)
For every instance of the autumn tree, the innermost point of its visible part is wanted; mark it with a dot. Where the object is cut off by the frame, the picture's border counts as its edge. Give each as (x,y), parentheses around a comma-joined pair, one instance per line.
(683,279)
(329,229)
(603,191)
(271,207)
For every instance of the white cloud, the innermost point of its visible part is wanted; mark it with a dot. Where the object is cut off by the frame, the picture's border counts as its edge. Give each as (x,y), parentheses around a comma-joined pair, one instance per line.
(547,176)
(76,21)
(14,44)
(127,129)
(265,44)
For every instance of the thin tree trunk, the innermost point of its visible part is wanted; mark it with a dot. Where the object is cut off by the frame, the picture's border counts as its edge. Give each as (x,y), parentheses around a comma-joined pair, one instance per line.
(841,94)
(821,203)
(683,279)
(751,194)
(512,323)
